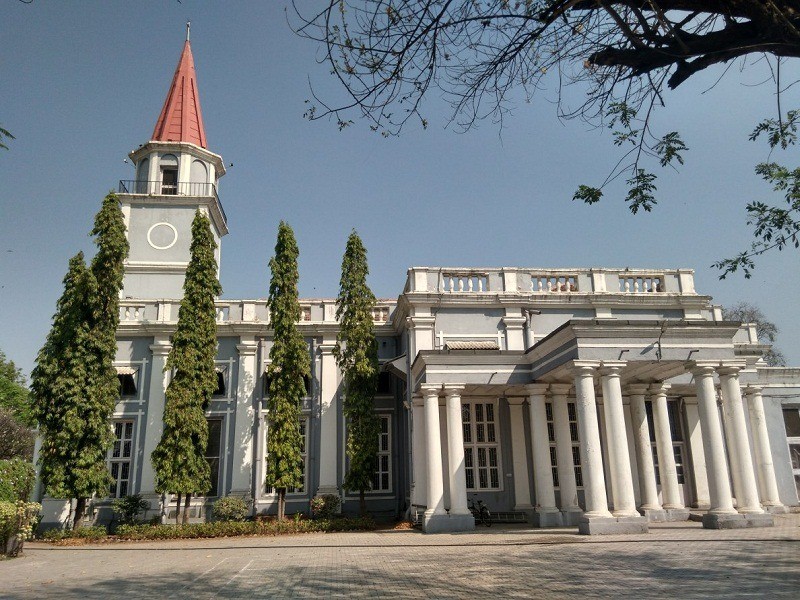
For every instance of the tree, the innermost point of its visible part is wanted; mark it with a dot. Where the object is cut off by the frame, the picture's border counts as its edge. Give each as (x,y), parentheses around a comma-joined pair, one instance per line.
(289,363)
(356,353)
(13,394)
(5,133)
(389,56)
(74,429)
(766,330)
(179,458)
(16,440)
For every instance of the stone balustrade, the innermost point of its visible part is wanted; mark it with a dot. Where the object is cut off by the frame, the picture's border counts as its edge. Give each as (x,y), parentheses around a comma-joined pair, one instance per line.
(508,280)
(242,311)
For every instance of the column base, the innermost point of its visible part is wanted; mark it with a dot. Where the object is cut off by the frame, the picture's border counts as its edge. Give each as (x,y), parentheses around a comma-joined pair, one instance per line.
(736,521)
(654,515)
(571,517)
(677,514)
(612,525)
(327,489)
(775,509)
(444,523)
(547,517)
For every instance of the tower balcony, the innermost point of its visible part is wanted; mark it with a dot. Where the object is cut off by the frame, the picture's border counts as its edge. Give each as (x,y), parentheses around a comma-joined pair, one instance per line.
(167,190)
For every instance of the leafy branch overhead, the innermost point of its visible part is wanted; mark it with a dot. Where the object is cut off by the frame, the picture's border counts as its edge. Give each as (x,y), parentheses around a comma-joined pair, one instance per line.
(481,56)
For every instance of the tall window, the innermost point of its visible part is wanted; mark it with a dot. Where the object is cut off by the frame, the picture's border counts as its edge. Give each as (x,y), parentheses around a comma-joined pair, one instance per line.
(213,453)
(120,461)
(572,416)
(791,419)
(382,481)
(304,459)
(481,446)
(676,432)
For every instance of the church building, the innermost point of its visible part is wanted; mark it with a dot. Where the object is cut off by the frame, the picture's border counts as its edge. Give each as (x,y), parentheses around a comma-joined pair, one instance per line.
(597,398)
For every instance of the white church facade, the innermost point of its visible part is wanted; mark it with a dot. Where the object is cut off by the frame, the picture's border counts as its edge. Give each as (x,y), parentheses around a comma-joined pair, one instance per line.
(599,398)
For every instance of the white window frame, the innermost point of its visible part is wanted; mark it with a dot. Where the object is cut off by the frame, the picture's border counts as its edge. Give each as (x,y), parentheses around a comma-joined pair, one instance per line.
(472,446)
(122,459)
(792,441)
(387,435)
(572,417)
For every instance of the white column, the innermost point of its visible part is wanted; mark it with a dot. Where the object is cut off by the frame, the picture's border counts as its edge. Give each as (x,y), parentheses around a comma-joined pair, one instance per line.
(594,481)
(455,451)
(761,448)
(433,444)
(328,420)
(540,445)
(619,457)
(519,452)
(419,489)
(644,454)
(670,488)
(155,411)
(567,487)
(738,442)
(242,478)
(719,488)
(695,439)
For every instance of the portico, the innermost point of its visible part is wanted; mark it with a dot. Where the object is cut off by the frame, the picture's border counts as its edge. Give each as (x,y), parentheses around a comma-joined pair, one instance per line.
(600,445)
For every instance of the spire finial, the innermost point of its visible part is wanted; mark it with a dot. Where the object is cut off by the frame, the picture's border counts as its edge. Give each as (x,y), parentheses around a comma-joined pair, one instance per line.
(188,27)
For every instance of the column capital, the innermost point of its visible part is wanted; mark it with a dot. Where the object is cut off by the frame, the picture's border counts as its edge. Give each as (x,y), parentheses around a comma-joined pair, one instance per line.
(584,367)
(515,401)
(420,321)
(430,389)
(728,369)
(753,388)
(534,389)
(659,388)
(560,389)
(612,367)
(453,389)
(160,348)
(247,348)
(702,367)
(637,389)
(417,400)
(513,322)
(326,348)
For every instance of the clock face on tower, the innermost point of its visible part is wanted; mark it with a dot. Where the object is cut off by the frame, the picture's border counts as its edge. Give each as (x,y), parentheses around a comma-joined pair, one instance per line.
(162,236)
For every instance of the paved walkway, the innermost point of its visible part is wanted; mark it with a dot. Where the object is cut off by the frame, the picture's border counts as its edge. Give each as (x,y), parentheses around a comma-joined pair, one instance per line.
(674,560)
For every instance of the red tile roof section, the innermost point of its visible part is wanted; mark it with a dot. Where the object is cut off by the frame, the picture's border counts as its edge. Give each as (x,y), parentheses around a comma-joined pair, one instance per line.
(181,119)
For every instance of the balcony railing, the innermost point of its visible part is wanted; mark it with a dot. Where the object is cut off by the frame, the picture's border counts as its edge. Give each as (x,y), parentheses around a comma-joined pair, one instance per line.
(160,188)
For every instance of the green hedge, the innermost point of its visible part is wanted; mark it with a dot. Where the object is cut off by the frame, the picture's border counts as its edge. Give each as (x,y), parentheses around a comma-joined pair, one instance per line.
(16,480)
(213,529)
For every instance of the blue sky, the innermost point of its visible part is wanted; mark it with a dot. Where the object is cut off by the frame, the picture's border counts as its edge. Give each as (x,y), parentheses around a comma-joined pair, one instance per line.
(83,84)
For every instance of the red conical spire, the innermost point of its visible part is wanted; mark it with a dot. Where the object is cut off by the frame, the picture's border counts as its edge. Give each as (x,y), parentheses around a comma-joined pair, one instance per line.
(181,119)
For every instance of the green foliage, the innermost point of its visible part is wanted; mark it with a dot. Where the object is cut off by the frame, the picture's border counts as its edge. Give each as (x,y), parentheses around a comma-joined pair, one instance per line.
(640,192)
(230,508)
(74,384)
(766,330)
(356,354)
(89,534)
(179,458)
(16,480)
(588,194)
(289,363)
(128,508)
(325,506)
(13,394)
(16,523)
(774,227)
(16,439)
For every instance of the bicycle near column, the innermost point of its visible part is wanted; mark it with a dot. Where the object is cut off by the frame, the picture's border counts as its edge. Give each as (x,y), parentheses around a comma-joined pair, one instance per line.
(480,512)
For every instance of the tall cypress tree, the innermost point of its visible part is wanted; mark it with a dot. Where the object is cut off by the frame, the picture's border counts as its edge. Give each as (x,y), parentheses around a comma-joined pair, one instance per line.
(73,451)
(179,458)
(75,383)
(356,354)
(289,363)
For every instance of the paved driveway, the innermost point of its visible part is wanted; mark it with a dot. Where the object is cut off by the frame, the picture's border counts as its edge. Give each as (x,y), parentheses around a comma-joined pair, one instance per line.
(680,560)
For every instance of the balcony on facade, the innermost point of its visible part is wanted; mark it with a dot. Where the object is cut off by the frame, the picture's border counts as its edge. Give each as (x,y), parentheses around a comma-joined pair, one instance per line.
(168,188)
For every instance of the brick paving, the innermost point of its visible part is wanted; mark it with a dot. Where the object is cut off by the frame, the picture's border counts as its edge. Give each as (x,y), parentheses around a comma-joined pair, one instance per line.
(674,560)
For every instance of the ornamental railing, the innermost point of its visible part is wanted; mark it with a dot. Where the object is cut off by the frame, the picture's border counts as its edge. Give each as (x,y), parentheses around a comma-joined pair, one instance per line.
(161,188)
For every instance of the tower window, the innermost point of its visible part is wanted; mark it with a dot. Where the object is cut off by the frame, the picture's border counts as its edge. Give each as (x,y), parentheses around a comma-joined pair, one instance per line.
(169,182)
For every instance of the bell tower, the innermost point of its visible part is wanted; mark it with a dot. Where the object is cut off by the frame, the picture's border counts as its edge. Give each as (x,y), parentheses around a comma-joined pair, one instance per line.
(175,174)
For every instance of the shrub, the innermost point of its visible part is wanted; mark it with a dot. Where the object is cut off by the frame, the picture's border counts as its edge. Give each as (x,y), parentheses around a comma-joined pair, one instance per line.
(325,506)
(83,533)
(16,480)
(230,508)
(16,525)
(128,508)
